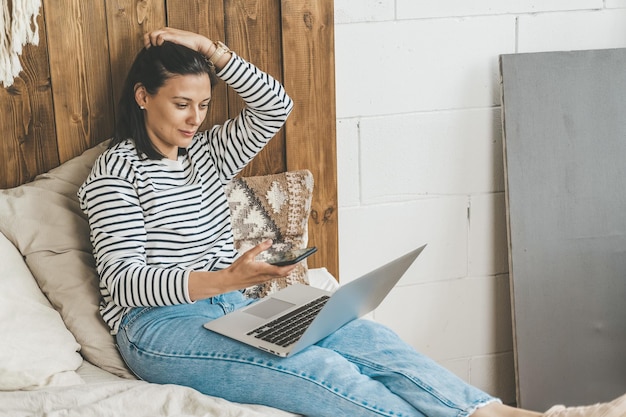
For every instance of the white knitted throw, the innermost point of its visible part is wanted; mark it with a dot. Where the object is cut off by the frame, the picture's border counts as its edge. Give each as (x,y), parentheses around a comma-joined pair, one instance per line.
(18,26)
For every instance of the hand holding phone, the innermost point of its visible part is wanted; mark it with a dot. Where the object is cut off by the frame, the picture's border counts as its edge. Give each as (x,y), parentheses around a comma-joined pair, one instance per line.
(290,257)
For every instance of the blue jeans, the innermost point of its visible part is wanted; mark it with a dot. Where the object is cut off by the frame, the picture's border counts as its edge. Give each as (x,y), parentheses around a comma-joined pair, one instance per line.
(363,369)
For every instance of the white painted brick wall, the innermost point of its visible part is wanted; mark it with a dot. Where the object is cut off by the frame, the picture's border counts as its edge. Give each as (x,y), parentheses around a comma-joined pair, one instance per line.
(466,330)
(572,31)
(411,9)
(420,159)
(348,11)
(487,241)
(615,3)
(374,234)
(397,154)
(423,65)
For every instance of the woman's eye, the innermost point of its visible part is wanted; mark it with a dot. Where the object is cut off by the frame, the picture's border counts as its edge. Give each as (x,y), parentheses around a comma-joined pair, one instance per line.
(181,105)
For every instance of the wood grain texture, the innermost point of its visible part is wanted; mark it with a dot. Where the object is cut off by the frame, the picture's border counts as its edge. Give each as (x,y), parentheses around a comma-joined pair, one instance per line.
(28,142)
(308,50)
(127,22)
(80,74)
(253,31)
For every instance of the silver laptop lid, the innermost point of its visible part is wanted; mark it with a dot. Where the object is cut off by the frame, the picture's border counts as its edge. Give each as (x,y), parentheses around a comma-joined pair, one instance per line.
(356,298)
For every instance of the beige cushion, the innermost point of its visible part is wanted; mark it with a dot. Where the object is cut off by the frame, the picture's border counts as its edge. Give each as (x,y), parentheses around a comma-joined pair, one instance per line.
(44,222)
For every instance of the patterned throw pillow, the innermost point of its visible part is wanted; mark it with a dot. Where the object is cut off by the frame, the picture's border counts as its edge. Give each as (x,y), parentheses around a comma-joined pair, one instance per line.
(273,207)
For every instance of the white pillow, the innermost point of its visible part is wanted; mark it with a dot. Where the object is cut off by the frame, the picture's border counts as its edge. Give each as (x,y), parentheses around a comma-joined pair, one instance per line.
(322,279)
(36,349)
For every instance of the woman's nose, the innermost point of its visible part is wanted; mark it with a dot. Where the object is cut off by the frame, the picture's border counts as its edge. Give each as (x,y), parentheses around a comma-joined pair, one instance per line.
(196,117)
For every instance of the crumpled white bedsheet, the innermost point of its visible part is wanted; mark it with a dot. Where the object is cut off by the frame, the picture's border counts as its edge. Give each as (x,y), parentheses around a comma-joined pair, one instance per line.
(125,398)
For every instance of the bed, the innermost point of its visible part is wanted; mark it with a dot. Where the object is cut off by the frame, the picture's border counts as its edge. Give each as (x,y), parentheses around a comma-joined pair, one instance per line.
(56,355)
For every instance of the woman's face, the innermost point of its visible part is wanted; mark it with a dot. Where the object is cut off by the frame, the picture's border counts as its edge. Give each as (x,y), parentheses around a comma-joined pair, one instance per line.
(175,112)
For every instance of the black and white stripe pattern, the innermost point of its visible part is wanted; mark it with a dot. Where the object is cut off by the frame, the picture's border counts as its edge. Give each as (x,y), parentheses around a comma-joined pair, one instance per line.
(152,222)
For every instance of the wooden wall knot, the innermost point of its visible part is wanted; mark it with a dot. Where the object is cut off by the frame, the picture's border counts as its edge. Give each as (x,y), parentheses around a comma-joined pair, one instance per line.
(44,85)
(142,11)
(326,217)
(307,17)
(13,90)
(20,108)
(251,9)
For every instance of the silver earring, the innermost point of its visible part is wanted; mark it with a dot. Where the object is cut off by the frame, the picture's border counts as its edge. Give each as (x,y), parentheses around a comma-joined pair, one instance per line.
(142,107)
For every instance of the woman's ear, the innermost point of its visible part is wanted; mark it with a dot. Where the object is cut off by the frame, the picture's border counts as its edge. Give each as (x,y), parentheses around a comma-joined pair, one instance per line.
(140,95)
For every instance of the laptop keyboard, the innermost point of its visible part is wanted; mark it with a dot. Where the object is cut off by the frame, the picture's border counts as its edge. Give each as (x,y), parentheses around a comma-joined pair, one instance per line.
(287,329)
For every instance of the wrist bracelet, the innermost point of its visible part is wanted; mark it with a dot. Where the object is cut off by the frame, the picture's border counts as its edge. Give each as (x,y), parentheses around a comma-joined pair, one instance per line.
(220,50)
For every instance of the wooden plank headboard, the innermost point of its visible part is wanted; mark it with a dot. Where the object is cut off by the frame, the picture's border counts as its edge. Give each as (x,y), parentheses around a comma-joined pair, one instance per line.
(64,100)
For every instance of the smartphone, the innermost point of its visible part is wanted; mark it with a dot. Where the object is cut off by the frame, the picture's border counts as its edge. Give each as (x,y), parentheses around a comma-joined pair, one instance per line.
(291,257)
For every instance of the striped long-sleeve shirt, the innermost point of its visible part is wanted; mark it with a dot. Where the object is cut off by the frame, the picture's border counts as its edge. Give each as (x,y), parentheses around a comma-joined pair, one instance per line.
(154,221)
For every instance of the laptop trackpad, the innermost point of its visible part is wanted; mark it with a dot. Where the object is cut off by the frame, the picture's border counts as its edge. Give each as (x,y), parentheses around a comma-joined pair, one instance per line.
(267,308)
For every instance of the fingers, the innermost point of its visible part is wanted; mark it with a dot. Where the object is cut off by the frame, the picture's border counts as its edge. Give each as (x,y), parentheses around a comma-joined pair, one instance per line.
(264,269)
(153,38)
(283,271)
(263,246)
(268,271)
(247,271)
(158,36)
(191,40)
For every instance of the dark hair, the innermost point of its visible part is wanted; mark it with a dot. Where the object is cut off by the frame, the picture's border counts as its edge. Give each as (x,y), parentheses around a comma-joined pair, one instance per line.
(152,68)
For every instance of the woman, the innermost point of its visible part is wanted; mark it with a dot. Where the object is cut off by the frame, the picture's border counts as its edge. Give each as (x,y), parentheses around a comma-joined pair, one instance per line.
(164,251)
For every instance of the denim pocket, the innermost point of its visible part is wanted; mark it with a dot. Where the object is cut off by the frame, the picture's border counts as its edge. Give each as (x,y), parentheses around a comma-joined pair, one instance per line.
(131,315)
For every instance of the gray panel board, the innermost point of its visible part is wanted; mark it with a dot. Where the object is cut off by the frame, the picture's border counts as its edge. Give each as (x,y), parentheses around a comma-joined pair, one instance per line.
(565,157)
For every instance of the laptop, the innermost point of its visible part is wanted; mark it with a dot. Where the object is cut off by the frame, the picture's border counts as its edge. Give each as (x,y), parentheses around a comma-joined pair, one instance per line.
(298,316)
